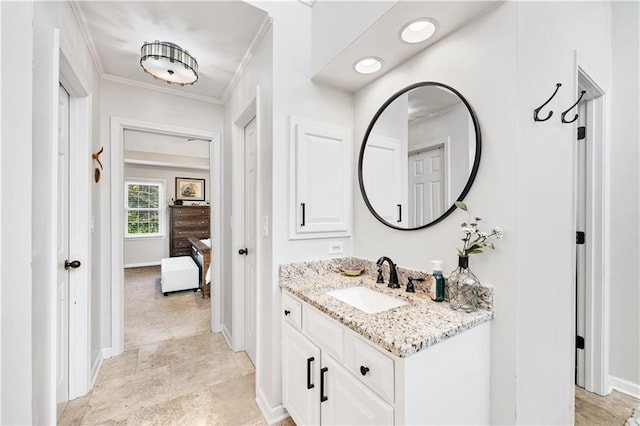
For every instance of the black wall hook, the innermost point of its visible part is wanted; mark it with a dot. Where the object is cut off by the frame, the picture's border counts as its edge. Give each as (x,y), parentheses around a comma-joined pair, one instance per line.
(571,107)
(537,110)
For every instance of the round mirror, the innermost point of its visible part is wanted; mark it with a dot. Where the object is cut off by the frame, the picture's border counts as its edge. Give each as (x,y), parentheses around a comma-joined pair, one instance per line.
(419,155)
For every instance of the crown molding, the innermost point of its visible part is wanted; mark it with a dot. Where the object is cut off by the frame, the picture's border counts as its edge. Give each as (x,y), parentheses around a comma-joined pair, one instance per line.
(255,43)
(139,84)
(82,23)
(309,3)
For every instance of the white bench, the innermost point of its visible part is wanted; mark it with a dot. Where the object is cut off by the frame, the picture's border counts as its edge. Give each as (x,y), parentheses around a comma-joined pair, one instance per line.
(179,273)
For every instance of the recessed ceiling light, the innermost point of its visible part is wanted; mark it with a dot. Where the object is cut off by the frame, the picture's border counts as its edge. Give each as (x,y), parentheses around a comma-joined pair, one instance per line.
(418,31)
(368,65)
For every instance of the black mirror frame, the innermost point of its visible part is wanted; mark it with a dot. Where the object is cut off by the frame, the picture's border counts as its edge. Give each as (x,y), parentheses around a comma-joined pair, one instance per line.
(474,169)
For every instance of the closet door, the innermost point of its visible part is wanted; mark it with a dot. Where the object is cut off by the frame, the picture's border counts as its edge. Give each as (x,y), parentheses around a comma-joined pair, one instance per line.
(321,188)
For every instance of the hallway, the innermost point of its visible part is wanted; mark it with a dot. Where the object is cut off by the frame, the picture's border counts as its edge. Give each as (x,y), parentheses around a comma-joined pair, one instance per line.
(192,380)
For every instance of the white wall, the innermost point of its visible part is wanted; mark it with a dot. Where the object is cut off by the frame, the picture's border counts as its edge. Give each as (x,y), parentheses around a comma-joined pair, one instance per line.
(258,73)
(150,251)
(293,94)
(515,61)
(492,93)
(131,102)
(545,201)
(15,211)
(625,140)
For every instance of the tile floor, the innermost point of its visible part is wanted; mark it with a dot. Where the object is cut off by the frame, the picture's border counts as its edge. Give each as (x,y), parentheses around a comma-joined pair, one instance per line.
(193,380)
(613,409)
(151,317)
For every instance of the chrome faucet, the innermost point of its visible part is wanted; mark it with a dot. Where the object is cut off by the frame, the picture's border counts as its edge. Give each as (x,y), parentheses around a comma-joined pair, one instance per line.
(393,274)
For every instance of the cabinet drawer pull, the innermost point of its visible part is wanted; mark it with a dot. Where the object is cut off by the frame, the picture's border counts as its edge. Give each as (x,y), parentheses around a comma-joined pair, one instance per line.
(309,384)
(287,312)
(303,214)
(323,397)
(399,212)
(364,370)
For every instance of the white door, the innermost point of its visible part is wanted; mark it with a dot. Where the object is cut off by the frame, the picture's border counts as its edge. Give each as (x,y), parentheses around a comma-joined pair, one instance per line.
(250,237)
(300,377)
(62,293)
(346,401)
(581,252)
(426,185)
(383,172)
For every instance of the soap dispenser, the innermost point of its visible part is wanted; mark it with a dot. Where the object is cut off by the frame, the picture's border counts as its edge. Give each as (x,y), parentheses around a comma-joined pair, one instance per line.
(437,282)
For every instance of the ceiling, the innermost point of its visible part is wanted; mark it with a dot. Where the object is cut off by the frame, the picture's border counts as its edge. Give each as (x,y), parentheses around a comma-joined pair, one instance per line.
(382,40)
(219,34)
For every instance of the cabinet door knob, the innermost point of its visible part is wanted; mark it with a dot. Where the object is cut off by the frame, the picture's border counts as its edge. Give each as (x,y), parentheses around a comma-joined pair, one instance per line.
(287,312)
(364,370)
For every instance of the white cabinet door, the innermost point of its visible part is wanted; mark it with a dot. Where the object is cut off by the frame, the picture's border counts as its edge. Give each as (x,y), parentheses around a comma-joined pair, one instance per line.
(321,178)
(300,377)
(346,401)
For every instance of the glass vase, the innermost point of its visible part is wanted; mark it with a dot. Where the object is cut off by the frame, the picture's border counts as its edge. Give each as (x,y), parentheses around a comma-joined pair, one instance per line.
(463,287)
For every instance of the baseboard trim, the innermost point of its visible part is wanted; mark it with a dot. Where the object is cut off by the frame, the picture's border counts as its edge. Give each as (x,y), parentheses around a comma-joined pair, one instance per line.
(140,265)
(95,368)
(271,414)
(624,386)
(226,335)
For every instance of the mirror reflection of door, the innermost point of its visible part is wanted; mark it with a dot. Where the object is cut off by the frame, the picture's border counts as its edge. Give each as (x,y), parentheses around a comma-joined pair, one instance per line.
(427,184)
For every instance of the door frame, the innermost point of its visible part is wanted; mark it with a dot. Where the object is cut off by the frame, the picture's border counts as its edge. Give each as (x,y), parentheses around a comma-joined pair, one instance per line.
(248,113)
(118,126)
(80,178)
(52,53)
(597,232)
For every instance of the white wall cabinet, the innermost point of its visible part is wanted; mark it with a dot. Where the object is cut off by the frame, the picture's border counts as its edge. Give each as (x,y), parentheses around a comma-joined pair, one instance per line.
(333,376)
(321,176)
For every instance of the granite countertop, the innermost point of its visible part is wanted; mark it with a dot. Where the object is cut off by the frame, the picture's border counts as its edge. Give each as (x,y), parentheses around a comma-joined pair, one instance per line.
(401,331)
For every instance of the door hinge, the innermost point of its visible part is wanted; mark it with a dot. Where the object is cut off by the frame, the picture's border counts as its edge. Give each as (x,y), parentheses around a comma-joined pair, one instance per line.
(582,132)
(580,237)
(579,342)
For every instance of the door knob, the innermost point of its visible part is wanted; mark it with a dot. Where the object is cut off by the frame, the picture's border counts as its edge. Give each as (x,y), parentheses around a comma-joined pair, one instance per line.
(243,251)
(74,264)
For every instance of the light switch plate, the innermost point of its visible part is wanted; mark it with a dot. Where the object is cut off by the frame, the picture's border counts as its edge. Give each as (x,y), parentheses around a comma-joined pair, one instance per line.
(336,247)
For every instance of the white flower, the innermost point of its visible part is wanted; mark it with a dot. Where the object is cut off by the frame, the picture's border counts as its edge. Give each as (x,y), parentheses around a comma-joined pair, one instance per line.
(498,231)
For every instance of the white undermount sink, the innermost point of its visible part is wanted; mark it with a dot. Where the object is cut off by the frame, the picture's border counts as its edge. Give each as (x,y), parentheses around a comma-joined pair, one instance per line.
(365,299)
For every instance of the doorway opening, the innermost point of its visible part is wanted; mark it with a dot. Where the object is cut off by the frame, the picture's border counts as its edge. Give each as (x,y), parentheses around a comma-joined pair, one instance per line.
(591,356)
(120,225)
(155,165)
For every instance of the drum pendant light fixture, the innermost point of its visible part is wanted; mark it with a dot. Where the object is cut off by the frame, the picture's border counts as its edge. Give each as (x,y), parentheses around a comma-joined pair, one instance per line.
(169,62)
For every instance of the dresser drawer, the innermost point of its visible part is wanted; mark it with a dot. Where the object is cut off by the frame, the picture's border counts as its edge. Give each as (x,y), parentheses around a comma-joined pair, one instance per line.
(292,311)
(180,252)
(186,233)
(181,243)
(323,331)
(370,366)
(187,211)
(191,223)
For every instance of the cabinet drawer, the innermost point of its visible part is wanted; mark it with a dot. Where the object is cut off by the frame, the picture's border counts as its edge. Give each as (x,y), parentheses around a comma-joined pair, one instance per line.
(191,223)
(180,252)
(370,366)
(291,311)
(326,333)
(180,243)
(189,211)
(186,233)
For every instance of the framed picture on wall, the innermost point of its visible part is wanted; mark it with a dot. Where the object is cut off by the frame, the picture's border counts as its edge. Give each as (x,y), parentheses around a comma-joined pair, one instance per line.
(188,189)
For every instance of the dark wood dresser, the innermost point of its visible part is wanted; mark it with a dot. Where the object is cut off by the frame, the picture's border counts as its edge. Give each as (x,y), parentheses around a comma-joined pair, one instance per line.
(185,222)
